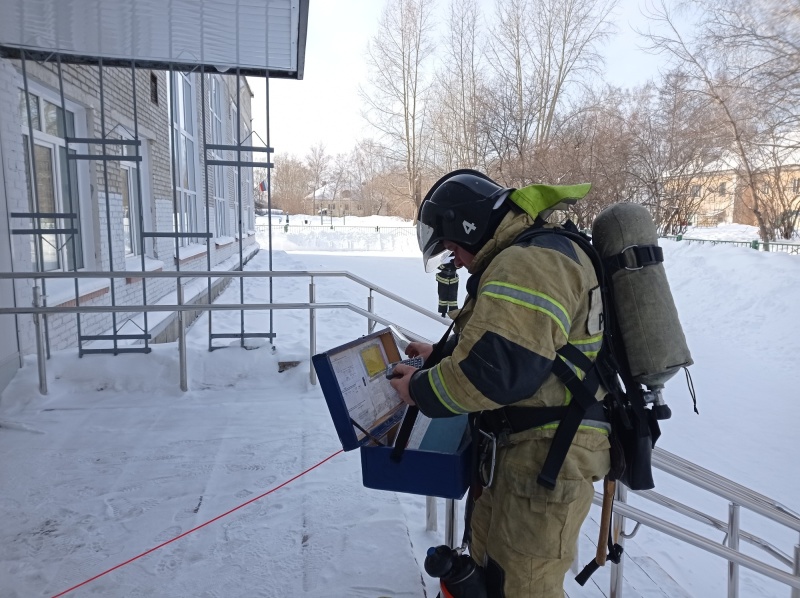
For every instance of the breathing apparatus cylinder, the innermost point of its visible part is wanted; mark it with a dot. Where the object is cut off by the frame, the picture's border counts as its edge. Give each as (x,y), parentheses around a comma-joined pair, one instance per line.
(624,235)
(459,575)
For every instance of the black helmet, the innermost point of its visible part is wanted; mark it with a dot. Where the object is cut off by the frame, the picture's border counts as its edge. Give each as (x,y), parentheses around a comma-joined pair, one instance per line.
(460,207)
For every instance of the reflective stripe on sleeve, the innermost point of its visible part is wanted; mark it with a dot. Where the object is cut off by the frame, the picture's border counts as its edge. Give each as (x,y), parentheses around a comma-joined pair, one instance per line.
(590,346)
(530,299)
(439,388)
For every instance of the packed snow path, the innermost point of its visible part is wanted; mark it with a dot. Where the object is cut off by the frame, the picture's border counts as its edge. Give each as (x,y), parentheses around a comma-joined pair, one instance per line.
(116,460)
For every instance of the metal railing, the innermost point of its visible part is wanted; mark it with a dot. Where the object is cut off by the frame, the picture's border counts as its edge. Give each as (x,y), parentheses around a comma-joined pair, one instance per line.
(738,497)
(773,246)
(38,311)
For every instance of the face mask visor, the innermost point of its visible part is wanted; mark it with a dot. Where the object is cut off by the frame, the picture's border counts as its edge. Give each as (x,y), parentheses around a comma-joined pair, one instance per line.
(424,235)
(435,257)
(433,252)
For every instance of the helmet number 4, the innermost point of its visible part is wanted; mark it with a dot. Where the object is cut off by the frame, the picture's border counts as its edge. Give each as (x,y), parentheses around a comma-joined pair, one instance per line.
(468,226)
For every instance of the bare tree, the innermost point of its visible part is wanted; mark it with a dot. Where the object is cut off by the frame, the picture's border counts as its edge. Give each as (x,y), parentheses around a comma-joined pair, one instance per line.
(674,145)
(781,184)
(539,51)
(378,181)
(731,61)
(593,146)
(396,102)
(317,161)
(767,33)
(292,181)
(457,143)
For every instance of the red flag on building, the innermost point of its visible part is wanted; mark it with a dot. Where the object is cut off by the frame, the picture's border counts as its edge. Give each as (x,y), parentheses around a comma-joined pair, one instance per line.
(262,186)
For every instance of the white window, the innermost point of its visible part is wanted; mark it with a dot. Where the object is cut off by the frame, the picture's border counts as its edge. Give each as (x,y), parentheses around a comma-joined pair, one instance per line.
(247,182)
(135,200)
(218,172)
(131,224)
(185,139)
(234,132)
(61,184)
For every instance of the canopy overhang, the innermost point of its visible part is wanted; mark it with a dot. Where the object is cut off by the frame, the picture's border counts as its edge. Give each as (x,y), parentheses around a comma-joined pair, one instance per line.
(255,37)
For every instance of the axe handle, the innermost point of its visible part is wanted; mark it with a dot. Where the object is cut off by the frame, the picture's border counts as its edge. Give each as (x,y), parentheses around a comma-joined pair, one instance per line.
(609,486)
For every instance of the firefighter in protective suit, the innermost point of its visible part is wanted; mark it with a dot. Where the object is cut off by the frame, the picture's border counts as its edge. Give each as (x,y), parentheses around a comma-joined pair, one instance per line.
(447,287)
(524,302)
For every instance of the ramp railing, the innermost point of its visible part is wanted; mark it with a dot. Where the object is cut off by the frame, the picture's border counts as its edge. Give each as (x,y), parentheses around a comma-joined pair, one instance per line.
(38,312)
(738,497)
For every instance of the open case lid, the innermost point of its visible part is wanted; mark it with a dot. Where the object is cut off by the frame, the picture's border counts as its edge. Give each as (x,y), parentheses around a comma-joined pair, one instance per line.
(361,400)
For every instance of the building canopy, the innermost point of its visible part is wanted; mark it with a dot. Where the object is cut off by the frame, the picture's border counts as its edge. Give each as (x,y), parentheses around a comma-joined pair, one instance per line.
(259,37)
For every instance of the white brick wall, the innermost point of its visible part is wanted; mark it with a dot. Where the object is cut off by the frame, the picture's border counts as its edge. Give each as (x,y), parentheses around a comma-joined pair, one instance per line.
(16,193)
(81,85)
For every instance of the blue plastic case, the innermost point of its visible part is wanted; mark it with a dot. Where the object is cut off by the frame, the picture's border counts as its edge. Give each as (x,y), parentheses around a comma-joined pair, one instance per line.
(439,466)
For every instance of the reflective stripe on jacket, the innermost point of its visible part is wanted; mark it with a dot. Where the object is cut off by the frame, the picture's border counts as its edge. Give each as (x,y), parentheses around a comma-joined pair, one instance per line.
(526,302)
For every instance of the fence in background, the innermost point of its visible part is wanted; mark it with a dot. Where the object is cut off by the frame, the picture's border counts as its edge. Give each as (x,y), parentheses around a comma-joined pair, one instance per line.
(774,246)
(737,496)
(411,232)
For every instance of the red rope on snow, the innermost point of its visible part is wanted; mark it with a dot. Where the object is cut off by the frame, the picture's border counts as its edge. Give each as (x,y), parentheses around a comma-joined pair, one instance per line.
(138,556)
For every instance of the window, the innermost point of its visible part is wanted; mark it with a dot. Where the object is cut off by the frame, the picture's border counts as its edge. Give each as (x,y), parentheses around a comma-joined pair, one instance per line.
(218,172)
(795,186)
(185,139)
(237,192)
(247,182)
(154,88)
(58,181)
(130,204)
(695,190)
(722,188)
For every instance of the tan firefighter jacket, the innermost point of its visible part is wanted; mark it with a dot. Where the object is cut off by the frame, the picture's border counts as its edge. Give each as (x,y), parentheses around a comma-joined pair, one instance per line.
(524,302)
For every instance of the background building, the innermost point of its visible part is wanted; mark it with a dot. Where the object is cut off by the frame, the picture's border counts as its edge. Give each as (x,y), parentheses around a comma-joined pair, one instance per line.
(115,156)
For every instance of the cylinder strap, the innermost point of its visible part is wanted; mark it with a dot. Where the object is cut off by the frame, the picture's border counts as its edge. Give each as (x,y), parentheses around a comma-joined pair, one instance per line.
(634,257)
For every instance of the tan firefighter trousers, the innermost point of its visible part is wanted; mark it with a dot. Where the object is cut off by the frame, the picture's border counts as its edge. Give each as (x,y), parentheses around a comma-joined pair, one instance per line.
(524,534)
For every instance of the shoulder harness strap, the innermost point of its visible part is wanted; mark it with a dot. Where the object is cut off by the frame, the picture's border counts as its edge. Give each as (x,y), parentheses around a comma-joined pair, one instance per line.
(583,391)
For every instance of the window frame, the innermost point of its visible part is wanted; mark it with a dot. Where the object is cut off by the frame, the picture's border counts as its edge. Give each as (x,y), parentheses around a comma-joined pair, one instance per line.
(190,214)
(143,167)
(234,131)
(218,138)
(62,243)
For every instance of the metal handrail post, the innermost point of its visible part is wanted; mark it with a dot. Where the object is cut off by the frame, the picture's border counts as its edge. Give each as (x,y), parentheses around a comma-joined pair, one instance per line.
(450,523)
(312,325)
(431,515)
(182,339)
(370,309)
(40,356)
(617,533)
(734,513)
(796,569)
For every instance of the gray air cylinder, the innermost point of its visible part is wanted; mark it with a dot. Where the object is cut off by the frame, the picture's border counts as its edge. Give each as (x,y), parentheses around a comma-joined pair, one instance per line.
(645,311)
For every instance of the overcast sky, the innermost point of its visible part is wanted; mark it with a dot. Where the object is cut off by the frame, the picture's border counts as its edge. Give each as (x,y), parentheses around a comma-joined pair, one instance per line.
(325,108)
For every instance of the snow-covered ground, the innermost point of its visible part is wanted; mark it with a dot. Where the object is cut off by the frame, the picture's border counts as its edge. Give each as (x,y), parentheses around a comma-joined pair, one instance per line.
(726,232)
(116,460)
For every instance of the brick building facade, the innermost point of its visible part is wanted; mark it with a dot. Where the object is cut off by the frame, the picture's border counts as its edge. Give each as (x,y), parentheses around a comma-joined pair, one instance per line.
(116,204)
